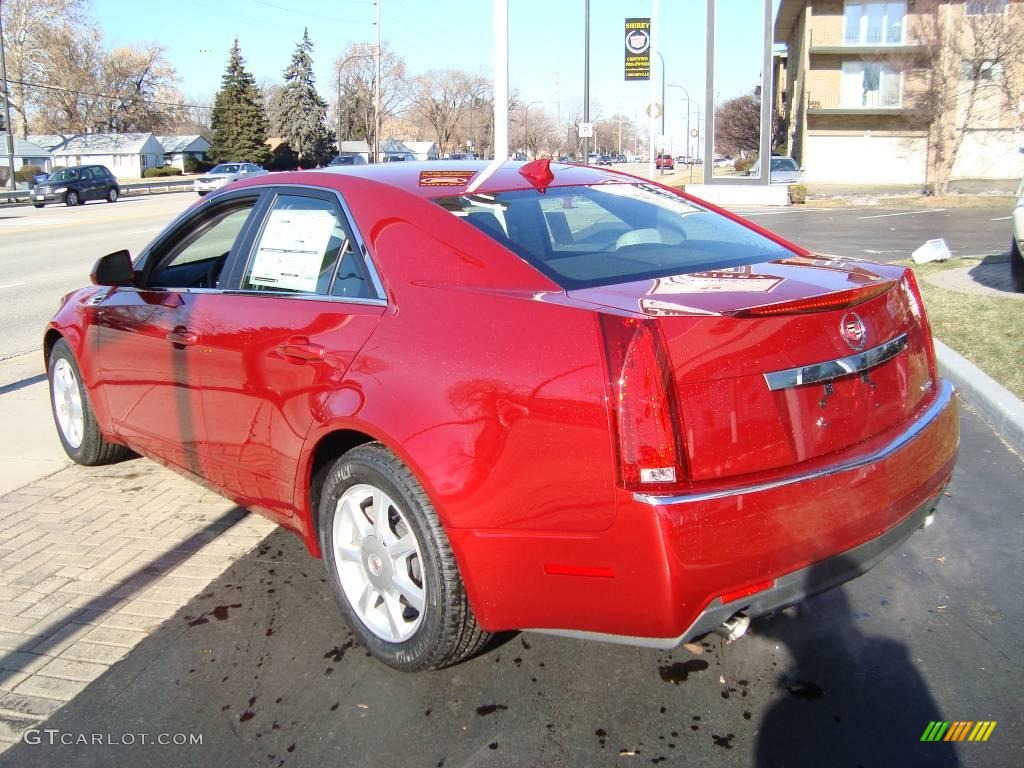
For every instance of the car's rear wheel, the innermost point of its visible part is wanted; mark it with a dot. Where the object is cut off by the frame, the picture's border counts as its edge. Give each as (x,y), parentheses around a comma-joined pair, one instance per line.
(72,198)
(76,423)
(391,564)
(112,195)
(1016,267)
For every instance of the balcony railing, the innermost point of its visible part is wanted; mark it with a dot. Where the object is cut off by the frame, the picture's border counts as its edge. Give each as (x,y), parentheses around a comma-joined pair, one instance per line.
(892,37)
(870,101)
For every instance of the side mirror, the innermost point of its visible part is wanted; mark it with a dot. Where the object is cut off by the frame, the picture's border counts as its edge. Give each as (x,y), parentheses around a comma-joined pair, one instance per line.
(113,269)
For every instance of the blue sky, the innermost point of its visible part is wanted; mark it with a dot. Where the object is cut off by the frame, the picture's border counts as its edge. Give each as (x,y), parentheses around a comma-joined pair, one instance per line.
(545,42)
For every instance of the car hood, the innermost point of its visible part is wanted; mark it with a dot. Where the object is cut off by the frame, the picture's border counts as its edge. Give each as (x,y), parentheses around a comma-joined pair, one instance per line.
(220,177)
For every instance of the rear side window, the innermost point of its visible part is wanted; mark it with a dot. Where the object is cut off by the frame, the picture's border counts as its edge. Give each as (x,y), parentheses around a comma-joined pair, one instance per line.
(307,247)
(586,236)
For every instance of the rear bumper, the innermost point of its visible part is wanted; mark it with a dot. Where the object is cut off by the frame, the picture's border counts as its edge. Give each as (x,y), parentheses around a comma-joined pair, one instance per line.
(788,589)
(657,575)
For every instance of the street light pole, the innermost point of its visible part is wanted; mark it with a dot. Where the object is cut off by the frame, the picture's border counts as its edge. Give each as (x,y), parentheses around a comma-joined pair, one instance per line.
(376,95)
(7,106)
(526,127)
(586,78)
(341,67)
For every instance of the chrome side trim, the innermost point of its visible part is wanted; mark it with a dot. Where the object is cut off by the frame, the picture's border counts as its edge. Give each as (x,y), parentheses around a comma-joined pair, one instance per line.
(834,369)
(942,401)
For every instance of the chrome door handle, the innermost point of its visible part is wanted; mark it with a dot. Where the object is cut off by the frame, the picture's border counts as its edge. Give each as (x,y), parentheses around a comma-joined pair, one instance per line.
(184,338)
(302,350)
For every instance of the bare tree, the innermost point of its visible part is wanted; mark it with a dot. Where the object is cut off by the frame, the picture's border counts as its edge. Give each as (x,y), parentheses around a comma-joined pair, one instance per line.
(140,90)
(970,76)
(355,72)
(73,104)
(32,28)
(738,125)
(440,98)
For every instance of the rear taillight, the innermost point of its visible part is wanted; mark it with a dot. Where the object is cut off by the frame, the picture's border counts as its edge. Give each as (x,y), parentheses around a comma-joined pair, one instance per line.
(643,406)
(830,301)
(912,292)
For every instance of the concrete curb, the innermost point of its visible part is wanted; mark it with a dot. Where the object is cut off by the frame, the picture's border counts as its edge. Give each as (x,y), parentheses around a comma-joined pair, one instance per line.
(996,404)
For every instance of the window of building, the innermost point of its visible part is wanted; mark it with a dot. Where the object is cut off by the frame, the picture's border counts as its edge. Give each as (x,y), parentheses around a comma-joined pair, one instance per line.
(985,7)
(982,71)
(874,23)
(870,85)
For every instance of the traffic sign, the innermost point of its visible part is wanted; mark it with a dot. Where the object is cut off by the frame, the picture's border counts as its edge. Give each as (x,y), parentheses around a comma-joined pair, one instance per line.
(586,130)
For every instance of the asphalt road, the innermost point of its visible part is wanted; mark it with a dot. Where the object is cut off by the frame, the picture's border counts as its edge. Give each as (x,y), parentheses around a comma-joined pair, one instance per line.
(47,252)
(261,667)
(888,234)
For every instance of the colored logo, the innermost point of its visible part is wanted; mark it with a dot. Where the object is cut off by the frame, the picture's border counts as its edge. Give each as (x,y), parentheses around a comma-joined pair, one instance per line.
(852,329)
(958,730)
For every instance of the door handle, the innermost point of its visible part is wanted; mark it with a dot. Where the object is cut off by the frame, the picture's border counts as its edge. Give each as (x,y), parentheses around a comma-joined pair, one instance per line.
(183,337)
(302,350)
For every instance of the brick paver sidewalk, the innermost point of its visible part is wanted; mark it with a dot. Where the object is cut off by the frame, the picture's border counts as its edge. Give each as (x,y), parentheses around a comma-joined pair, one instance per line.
(91,562)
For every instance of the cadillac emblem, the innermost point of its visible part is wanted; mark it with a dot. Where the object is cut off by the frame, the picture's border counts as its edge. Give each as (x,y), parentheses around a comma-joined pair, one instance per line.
(852,329)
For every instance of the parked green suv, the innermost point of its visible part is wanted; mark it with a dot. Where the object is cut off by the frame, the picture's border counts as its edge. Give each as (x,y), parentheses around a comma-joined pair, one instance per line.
(77,186)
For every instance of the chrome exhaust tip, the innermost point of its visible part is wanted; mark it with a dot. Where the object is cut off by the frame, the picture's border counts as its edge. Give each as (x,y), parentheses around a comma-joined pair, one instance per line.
(734,627)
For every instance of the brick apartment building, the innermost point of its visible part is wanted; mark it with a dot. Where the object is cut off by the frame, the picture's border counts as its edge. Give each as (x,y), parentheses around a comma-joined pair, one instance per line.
(902,92)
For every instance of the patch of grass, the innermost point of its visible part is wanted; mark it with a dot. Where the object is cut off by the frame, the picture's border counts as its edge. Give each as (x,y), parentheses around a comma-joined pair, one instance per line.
(987,330)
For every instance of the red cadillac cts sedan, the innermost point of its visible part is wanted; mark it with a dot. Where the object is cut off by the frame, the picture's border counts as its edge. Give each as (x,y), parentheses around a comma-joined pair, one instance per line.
(530,396)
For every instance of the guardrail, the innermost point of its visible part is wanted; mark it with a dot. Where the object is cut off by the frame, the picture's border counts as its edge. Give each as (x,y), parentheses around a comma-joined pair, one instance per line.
(9,197)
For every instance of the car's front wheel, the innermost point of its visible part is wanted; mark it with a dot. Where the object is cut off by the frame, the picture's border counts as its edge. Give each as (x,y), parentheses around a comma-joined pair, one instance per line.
(1016,267)
(391,564)
(72,198)
(76,423)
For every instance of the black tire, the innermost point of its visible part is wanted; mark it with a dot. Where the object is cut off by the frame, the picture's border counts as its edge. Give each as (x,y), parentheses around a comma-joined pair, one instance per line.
(72,198)
(1016,267)
(448,632)
(38,205)
(92,449)
(112,195)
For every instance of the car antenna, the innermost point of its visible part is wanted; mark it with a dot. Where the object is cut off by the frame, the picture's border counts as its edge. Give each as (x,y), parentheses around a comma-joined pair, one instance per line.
(538,173)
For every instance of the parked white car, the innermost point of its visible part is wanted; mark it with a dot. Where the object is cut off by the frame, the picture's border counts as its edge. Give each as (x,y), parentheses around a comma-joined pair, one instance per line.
(223,174)
(784,170)
(1017,242)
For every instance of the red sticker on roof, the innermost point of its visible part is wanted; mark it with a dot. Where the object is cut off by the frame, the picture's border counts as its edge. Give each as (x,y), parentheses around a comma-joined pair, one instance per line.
(445,178)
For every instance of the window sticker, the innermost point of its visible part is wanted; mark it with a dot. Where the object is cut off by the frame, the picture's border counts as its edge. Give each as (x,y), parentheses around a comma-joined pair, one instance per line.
(292,248)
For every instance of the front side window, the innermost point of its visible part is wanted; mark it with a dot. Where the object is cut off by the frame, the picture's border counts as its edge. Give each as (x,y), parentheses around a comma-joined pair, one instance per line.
(66,174)
(197,256)
(225,168)
(306,247)
(585,236)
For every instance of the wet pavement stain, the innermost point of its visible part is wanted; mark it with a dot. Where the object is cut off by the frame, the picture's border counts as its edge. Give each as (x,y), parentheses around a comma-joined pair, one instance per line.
(220,612)
(337,653)
(803,689)
(490,709)
(724,741)
(678,672)
(602,737)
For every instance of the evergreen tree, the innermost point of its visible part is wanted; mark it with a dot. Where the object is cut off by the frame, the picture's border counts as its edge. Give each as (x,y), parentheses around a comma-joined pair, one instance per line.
(239,120)
(300,112)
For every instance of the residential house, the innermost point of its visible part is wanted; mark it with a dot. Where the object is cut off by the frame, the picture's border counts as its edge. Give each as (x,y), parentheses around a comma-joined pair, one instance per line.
(392,150)
(423,150)
(177,148)
(25,153)
(886,92)
(126,155)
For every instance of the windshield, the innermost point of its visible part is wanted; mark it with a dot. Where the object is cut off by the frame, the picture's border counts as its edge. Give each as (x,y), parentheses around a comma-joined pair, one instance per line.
(585,236)
(227,168)
(65,174)
(784,164)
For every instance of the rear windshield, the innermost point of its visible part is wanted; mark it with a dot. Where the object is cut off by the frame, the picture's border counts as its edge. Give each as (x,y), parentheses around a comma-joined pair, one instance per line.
(609,233)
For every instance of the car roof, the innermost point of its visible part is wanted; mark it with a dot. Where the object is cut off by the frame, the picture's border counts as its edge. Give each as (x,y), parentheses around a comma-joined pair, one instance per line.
(421,177)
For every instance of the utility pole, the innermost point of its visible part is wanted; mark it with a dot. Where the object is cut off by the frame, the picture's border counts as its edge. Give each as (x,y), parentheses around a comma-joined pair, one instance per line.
(586,77)
(652,125)
(377,90)
(558,120)
(500,82)
(7,106)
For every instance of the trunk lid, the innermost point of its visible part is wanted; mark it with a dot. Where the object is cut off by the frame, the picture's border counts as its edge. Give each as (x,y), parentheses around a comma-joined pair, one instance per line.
(725,330)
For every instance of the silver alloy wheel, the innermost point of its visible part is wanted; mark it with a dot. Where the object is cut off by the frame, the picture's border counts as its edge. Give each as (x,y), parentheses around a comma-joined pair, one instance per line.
(72,198)
(379,563)
(111,195)
(67,402)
